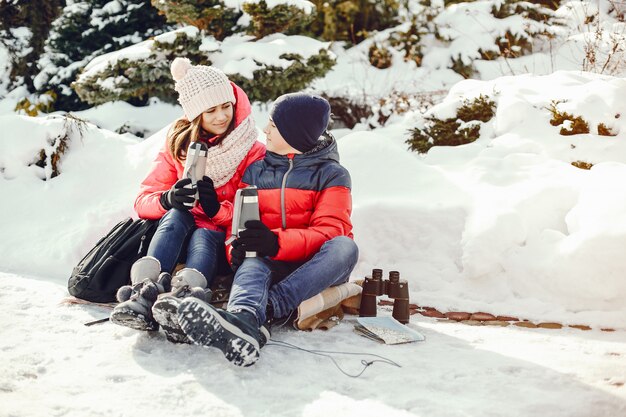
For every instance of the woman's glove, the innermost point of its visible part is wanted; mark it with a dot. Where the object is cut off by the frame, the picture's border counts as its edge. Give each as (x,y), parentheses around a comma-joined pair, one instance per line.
(177,196)
(258,238)
(208,196)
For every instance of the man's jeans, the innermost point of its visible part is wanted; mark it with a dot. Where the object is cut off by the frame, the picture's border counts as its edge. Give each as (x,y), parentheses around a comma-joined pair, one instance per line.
(285,284)
(205,249)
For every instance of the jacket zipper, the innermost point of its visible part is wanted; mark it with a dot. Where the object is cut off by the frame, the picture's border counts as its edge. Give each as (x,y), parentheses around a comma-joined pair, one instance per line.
(283,212)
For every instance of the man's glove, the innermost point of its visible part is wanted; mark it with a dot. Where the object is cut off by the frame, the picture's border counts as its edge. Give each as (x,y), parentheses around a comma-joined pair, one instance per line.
(177,196)
(208,196)
(258,238)
(237,255)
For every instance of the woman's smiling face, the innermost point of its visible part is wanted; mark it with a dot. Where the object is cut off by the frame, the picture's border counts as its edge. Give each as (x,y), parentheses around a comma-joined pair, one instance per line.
(217,119)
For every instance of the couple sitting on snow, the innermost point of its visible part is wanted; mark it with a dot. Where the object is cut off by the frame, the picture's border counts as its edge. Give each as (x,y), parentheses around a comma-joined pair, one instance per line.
(303,241)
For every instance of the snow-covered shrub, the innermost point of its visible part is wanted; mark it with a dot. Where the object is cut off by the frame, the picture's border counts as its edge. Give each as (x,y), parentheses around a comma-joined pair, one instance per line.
(272,81)
(264,68)
(88,29)
(140,71)
(353,20)
(43,103)
(379,56)
(275,65)
(286,17)
(489,30)
(213,16)
(24,27)
(598,31)
(570,125)
(459,130)
(604,130)
(348,112)
(49,158)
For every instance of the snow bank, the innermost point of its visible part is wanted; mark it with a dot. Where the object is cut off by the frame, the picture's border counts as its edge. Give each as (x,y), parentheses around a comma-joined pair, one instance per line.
(504,225)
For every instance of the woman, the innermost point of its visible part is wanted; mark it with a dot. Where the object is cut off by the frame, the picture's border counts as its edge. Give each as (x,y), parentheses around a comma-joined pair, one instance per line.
(218,114)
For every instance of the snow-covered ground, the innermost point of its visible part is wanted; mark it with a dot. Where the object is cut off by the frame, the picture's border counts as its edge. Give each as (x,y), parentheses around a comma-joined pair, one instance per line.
(53,365)
(504,225)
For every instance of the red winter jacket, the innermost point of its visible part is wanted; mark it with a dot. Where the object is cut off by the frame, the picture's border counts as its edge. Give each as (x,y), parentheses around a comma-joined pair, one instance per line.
(305,199)
(166,170)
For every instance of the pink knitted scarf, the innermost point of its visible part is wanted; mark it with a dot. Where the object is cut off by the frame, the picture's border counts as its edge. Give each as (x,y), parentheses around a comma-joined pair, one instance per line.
(223,159)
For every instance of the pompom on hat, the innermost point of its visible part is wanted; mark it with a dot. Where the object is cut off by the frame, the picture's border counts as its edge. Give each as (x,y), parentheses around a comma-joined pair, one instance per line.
(200,87)
(301,119)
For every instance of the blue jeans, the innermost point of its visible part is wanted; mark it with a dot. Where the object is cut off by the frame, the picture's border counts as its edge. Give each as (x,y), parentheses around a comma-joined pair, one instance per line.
(204,248)
(286,284)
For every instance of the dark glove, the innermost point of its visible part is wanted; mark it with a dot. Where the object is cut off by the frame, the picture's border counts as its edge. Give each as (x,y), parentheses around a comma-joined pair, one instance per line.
(177,196)
(258,238)
(208,196)
(237,255)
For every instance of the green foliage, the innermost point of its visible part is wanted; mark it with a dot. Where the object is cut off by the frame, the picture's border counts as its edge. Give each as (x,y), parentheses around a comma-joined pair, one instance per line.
(279,19)
(540,11)
(352,20)
(570,125)
(480,109)
(271,81)
(515,45)
(405,39)
(35,15)
(211,16)
(87,29)
(137,81)
(448,132)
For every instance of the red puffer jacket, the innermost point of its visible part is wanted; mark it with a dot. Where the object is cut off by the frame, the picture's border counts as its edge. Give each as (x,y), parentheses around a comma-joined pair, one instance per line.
(305,199)
(166,170)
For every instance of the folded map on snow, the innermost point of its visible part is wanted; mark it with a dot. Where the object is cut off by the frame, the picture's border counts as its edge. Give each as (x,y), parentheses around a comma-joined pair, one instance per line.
(387,330)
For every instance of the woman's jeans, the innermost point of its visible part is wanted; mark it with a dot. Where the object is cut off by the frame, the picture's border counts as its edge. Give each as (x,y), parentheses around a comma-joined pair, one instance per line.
(286,284)
(204,250)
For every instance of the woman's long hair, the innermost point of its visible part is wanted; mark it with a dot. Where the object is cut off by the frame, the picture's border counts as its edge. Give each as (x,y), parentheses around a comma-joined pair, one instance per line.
(184,132)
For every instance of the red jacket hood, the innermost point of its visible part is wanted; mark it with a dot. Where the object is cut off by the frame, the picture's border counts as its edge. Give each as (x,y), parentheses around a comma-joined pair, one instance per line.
(243,108)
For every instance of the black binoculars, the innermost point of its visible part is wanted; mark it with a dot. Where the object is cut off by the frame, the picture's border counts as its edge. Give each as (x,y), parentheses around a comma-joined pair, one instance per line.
(374,285)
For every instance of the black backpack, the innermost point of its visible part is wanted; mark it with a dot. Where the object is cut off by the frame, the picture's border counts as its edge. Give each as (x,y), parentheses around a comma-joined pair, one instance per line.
(107,266)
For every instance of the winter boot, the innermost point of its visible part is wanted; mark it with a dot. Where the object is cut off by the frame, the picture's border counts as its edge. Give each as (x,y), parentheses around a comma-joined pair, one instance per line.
(136,300)
(190,277)
(236,334)
(165,311)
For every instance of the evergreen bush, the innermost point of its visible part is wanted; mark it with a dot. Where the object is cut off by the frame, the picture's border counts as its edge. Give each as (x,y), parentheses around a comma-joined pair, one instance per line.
(282,18)
(347,112)
(352,20)
(211,16)
(136,81)
(539,23)
(85,30)
(463,129)
(271,81)
(33,19)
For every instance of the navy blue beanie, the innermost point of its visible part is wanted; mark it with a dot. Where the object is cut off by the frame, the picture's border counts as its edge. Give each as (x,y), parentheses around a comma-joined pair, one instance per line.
(301,119)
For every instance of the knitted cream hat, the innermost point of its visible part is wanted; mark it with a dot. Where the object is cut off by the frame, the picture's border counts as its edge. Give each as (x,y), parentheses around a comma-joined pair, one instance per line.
(200,87)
